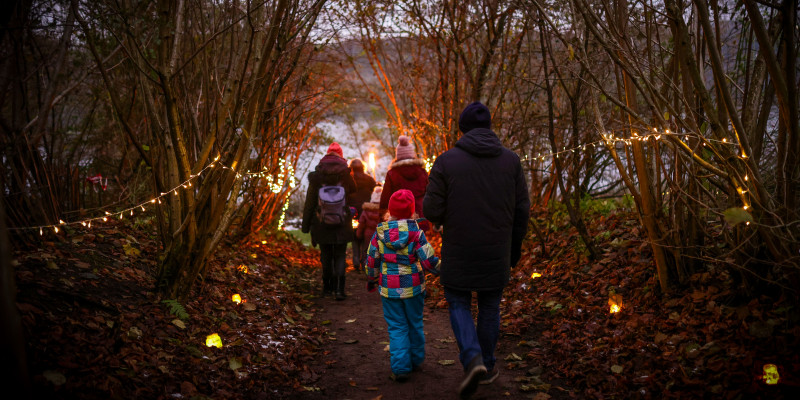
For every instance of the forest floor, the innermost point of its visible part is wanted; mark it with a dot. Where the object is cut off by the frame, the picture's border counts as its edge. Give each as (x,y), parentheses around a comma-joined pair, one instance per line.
(96,328)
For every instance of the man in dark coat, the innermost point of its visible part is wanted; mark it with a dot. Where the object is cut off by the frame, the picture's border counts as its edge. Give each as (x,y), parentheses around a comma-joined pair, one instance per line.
(332,240)
(478,193)
(362,194)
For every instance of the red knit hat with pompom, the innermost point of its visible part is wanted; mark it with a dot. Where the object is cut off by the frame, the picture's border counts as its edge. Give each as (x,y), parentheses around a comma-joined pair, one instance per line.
(401,204)
(334,148)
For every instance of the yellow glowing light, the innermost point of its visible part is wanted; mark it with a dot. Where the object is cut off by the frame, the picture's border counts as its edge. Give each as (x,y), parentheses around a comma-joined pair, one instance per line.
(746,207)
(614,303)
(535,275)
(372,162)
(55,228)
(61,222)
(236,298)
(744,155)
(153,201)
(745,177)
(105,219)
(263,242)
(242,268)
(355,224)
(213,340)
(724,140)
(771,375)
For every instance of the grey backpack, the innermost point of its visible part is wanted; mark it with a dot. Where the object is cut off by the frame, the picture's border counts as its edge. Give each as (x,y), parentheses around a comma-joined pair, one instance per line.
(331,209)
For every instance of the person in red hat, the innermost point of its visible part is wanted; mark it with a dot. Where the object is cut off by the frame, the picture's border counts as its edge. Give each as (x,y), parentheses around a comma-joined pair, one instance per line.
(397,259)
(332,170)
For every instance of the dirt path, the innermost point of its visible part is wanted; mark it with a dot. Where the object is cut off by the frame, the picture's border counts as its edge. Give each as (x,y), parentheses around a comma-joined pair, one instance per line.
(360,370)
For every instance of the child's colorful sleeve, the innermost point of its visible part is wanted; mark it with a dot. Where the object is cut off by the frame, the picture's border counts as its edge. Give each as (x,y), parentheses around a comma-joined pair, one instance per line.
(425,255)
(373,258)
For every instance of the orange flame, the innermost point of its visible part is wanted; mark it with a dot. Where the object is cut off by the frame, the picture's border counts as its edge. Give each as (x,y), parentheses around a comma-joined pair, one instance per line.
(242,268)
(535,275)
(236,298)
(372,162)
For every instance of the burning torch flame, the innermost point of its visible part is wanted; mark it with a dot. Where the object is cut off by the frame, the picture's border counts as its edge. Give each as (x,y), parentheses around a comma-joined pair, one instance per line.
(535,275)
(242,268)
(372,162)
(614,309)
(236,298)
(213,340)
(355,223)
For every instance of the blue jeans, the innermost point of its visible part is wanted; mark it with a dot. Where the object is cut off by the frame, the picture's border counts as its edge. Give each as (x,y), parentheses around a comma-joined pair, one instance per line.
(406,337)
(471,341)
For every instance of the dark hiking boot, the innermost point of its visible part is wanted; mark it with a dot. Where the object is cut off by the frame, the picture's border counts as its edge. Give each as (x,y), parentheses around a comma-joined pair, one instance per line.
(475,372)
(400,378)
(490,376)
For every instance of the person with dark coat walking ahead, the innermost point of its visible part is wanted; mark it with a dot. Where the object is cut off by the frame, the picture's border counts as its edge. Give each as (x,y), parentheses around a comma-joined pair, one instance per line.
(361,196)
(477,192)
(332,239)
(406,172)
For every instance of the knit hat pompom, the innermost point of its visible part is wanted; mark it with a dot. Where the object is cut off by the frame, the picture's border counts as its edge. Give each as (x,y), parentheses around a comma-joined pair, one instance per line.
(334,148)
(401,204)
(405,149)
(376,194)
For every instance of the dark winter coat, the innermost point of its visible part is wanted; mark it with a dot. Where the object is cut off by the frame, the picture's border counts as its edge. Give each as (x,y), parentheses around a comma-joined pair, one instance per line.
(406,174)
(331,170)
(364,186)
(477,192)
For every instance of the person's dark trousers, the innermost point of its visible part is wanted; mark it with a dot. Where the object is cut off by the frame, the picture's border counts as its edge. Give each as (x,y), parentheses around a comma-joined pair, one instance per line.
(472,340)
(357,254)
(334,262)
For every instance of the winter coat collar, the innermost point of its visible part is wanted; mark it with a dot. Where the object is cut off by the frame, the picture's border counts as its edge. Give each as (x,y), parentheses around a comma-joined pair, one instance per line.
(481,142)
(407,161)
(371,206)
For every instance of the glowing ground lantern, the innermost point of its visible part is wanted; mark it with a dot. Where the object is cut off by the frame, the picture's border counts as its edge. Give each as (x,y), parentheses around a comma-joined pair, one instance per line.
(771,376)
(614,303)
(236,298)
(213,340)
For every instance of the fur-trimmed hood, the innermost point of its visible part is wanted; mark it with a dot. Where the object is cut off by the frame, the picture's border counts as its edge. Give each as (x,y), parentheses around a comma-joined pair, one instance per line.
(370,206)
(408,161)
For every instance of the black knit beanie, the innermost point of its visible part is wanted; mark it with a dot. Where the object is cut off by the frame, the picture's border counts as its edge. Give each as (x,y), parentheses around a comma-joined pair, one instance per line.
(475,115)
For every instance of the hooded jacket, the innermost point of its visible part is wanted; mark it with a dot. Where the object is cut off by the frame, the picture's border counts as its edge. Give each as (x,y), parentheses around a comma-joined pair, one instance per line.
(364,186)
(478,192)
(331,170)
(398,257)
(406,174)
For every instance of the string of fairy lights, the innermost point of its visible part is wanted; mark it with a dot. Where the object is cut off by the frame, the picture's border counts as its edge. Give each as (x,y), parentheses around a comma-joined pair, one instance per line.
(276,183)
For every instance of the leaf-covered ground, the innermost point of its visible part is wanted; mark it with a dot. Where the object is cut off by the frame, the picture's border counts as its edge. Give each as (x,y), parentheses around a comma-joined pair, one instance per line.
(96,329)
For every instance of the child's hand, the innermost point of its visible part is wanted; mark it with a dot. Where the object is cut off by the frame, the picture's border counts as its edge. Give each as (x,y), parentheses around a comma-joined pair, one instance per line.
(372,286)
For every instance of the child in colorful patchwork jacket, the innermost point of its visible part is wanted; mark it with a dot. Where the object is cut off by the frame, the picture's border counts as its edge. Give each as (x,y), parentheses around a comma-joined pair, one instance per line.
(397,259)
